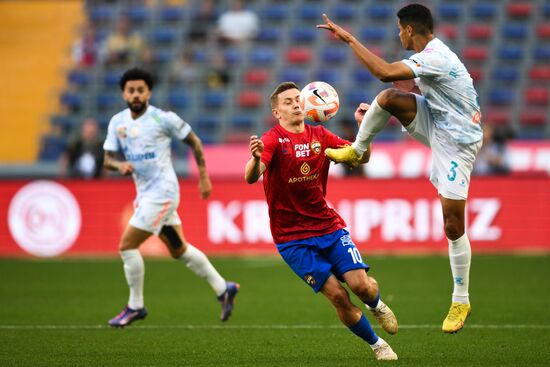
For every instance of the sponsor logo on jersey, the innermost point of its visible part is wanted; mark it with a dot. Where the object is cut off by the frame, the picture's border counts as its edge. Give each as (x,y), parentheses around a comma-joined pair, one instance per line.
(303,179)
(316,147)
(302,150)
(284,140)
(137,157)
(305,169)
(310,280)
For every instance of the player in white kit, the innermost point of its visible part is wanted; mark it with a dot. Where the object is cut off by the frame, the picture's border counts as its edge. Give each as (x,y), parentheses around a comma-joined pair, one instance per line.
(446,118)
(144,133)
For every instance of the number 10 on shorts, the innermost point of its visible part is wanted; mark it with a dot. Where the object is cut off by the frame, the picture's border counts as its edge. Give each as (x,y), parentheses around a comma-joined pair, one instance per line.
(355,255)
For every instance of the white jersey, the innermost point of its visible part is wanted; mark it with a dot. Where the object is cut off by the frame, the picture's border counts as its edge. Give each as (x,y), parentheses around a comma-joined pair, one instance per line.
(449,92)
(146,143)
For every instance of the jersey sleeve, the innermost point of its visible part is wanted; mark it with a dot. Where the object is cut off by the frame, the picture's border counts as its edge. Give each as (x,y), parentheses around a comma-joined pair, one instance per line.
(270,144)
(111,141)
(175,126)
(427,63)
(334,141)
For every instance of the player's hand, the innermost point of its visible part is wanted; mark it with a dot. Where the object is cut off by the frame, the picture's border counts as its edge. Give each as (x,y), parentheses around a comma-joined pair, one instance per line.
(126,168)
(205,187)
(336,30)
(256,147)
(360,112)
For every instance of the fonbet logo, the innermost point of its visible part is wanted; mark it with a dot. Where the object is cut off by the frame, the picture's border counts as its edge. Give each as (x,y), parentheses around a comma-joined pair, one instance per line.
(44,218)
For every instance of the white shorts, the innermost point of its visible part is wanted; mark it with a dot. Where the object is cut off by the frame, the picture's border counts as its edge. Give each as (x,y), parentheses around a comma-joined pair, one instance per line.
(152,216)
(452,162)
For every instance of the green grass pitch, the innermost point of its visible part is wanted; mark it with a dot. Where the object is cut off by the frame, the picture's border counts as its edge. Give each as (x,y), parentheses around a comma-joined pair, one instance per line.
(55,313)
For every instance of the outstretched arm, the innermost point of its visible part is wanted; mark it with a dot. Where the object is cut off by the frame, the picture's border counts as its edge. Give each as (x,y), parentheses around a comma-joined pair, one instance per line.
(381,69)
(205,186)
(254,167)
(111,163)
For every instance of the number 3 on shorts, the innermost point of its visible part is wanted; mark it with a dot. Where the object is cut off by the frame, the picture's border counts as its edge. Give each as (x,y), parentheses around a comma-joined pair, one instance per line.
(452,175)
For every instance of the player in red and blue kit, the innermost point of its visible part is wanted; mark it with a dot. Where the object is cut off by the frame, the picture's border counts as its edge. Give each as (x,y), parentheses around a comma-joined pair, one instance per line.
(310,236)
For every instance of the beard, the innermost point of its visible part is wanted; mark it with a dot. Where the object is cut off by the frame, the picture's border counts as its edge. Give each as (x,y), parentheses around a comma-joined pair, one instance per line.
(137,107)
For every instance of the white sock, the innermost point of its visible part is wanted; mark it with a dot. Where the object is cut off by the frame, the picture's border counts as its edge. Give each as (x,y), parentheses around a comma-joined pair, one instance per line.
(373,122)
(460,255)
(199,264)
(134,271)
(378,305)
(378,343)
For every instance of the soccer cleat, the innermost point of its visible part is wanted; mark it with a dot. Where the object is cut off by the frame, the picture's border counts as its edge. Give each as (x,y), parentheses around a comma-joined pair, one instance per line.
(385,353)
(458,313)
(127,316)
(385,317)
(227,299)
(345,154)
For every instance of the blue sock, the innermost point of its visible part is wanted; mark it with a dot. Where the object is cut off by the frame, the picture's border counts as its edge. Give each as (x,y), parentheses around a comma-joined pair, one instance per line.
(374,303)
(363,330)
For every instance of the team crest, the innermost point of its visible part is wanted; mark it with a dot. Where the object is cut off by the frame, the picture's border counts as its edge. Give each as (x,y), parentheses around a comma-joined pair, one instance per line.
(316,147)
(121,131)
(310,280)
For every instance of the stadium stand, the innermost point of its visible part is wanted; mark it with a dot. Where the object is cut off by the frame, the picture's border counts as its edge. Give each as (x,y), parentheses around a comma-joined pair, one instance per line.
(505,45)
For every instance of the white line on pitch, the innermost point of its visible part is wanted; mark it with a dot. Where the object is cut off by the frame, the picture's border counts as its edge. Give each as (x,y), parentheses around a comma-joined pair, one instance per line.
(258,327)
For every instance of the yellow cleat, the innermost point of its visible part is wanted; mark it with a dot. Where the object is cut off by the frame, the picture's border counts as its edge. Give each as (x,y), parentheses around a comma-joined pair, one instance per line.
(458,313)
(346,155)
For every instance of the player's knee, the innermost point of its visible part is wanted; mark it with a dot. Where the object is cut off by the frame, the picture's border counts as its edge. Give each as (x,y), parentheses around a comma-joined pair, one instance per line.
(176,254)
(365,289)
(387,97)
(125,244)
(174,242)
(453,228)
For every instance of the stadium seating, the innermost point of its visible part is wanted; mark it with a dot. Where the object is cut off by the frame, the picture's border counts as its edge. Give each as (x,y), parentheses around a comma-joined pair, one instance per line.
(504,44)
(171,14)
(485,11)
(479,32)
(519,9)
(257,77)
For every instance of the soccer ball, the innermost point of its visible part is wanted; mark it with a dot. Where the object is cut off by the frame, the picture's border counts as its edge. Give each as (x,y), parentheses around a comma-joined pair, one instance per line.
(319,101)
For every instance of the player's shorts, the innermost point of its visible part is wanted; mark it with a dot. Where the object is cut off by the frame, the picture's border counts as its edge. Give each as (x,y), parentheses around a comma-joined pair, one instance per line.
(314,259)
(151,216)
(452,163)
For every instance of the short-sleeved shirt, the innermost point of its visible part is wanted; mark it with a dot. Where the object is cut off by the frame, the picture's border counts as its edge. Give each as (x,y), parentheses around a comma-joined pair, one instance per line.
(295,182)
(449,92)
(146,143)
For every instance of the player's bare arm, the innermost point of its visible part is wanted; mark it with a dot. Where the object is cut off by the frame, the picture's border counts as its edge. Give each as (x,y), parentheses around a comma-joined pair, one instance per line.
(384,71)
(205,186)
(254,167)
(111,163)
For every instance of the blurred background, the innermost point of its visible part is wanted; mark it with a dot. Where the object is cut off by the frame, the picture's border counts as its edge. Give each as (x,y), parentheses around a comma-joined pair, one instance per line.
(215,64)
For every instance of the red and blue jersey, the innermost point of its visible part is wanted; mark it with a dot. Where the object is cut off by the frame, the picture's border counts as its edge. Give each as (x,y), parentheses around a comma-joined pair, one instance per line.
(295,182)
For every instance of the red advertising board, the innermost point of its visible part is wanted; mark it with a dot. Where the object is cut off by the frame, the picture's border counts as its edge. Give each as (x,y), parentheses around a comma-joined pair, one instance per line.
(47,218)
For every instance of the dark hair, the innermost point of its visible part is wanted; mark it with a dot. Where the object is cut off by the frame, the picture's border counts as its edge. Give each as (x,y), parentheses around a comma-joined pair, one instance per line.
(284,86)
(136,74)
(418,16)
